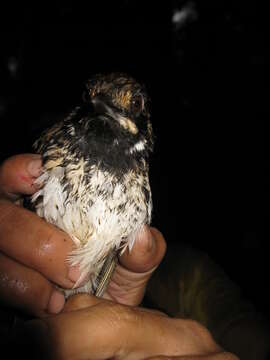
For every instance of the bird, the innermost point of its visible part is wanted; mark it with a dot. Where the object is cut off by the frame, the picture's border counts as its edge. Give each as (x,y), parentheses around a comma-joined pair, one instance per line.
(95,179)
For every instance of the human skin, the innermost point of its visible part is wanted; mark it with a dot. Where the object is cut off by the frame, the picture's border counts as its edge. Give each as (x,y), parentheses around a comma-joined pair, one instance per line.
(33,253)
(33,257)
(92,328)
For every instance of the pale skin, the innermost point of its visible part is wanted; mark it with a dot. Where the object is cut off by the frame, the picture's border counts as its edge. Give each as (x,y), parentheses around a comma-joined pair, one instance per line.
(33,258)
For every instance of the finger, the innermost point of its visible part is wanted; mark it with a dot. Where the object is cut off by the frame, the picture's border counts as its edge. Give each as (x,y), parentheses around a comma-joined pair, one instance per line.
(130,278)
(127,287)
(27,238)
(184,357)
(27,289)
(147,252)
(88,333)
(215,356)
(169,358)
(17,174)
(110,330)
(81,301)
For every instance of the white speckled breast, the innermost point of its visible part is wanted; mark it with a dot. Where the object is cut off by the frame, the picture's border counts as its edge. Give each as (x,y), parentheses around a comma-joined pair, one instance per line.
(100,215)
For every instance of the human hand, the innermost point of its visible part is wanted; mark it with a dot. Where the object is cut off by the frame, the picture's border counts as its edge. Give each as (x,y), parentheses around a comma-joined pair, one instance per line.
(92,328)
(135,268)
(33,253)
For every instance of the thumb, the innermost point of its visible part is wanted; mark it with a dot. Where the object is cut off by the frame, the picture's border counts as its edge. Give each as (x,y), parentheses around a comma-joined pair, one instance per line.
(18,173)
(147,252)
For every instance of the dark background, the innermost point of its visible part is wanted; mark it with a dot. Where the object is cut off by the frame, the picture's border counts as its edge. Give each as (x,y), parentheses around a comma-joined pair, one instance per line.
(208,79)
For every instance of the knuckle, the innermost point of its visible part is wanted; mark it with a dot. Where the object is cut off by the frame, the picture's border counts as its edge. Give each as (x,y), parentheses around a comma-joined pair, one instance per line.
(45,244)
(43,253)
(51,248)
(49,240)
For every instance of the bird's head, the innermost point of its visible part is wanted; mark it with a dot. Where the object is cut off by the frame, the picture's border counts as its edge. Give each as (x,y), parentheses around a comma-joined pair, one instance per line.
(125,101)
(112,128)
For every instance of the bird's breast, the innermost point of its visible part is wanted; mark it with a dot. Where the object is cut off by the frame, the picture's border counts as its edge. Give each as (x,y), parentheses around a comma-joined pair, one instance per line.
(96,202)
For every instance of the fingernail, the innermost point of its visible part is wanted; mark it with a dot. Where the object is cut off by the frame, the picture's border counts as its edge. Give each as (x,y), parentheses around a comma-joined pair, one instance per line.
(146,238)
(74,273)
(34,167)
(56,302)
(150,240)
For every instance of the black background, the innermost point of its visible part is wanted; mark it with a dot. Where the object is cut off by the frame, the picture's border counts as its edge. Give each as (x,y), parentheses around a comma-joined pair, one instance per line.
(208,81)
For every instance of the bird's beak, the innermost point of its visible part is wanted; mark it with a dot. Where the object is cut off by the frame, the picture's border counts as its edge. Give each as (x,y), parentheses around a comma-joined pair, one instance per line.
(102,107)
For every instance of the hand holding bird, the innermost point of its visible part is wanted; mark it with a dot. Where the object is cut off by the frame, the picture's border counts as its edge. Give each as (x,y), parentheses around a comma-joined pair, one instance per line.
(33,253)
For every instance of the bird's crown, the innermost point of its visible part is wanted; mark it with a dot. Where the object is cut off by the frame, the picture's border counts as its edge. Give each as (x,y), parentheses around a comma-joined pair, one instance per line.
(119,90)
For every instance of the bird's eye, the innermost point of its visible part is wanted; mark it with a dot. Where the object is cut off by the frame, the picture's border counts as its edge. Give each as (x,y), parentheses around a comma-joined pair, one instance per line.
(137,104)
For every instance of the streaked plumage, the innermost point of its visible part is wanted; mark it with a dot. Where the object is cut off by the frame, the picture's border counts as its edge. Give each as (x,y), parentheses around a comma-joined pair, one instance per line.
(95,179)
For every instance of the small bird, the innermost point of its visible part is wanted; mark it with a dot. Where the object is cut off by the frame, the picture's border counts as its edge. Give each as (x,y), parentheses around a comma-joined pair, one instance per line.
(95,179)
